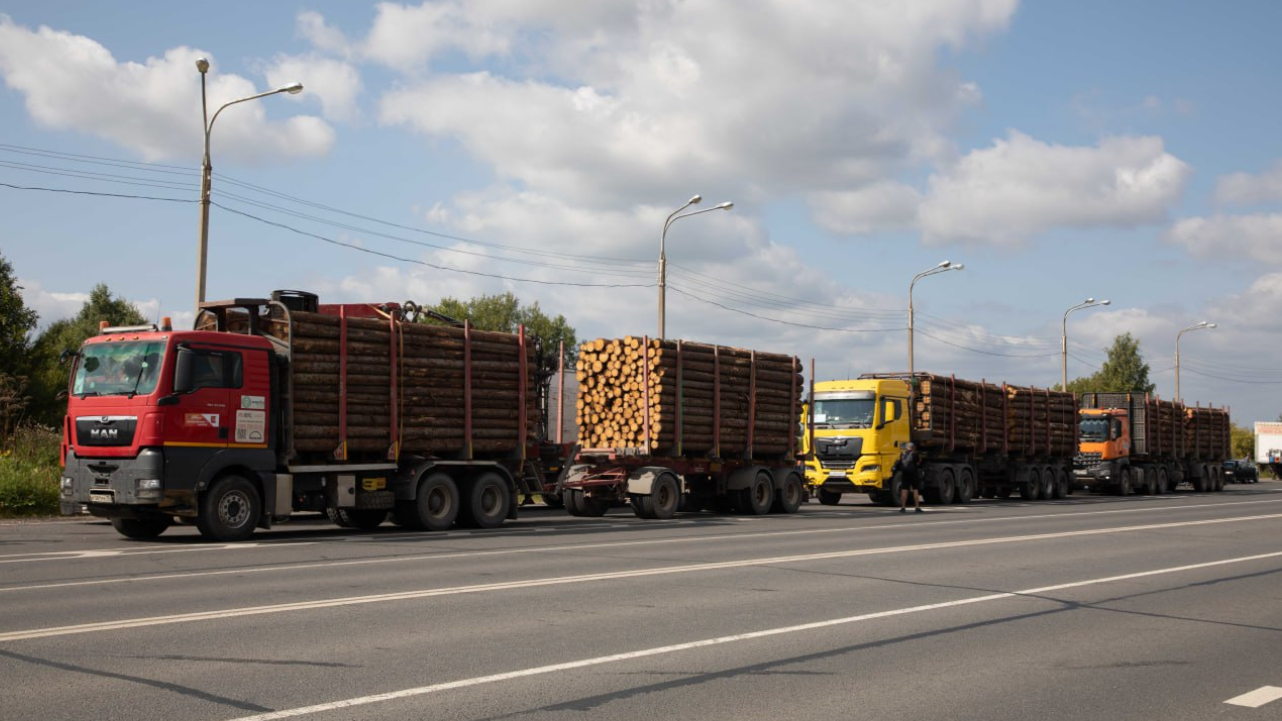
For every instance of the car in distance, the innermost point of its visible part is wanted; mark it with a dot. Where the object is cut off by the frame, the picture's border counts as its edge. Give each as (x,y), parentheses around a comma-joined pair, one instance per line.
(1240,471)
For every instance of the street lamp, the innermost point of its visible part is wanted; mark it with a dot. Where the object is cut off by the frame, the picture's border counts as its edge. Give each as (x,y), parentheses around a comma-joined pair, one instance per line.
(663,240)
(943,267)
(1063,338)
(1200,326)
(207,170)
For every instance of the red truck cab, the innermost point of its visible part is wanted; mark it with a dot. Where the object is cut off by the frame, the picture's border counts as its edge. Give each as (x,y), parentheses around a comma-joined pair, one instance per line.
(154,415)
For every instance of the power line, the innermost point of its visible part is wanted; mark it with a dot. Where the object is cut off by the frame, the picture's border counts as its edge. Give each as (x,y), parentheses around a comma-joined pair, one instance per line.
(688,294)
(105,195)
(423,262)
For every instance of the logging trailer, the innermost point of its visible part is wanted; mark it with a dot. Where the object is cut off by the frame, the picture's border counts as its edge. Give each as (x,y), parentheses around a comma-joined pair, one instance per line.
(670,426)
(276,406)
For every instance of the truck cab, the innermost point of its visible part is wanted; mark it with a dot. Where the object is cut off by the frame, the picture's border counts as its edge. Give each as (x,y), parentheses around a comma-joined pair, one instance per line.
(156,415)
(854,434)
(1104,447)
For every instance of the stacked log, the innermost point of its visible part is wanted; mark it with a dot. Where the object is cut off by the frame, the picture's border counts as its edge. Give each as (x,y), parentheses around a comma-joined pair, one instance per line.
(754,398)
(1207,433)
(428,405)
(1042,422)
(1163,429)
(959,414)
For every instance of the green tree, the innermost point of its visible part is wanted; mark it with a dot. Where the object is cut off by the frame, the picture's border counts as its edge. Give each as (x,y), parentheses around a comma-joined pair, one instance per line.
(1242,442)
(1124,371)
(16,322)
(49,375)
(505,313)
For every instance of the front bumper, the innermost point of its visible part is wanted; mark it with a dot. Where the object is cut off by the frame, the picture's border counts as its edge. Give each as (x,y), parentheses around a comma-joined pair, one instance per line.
(102,484)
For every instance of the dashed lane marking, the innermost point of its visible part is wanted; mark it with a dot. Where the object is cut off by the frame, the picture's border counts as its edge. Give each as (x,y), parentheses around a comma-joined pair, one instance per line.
(1257,698)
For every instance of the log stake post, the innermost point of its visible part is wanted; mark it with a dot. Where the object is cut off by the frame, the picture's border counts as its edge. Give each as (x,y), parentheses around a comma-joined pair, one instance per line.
(1048,422)
(467,390)
(523,367)
(792,408)
(394,335)
(340,453)
(716,401)
(953,412)
(645,389)
(1006,424)
(1032,423)
(983,415)
(680,398)
(752,405)
(560,396)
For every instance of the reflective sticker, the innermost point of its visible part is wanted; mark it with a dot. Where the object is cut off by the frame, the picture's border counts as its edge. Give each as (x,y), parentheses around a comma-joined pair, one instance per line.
(253,403)
(201,420)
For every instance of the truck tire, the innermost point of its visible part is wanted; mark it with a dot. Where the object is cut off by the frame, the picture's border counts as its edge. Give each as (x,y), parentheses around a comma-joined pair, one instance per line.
(436,503)
(142,529)
(573,498)
(1162,486)
(1199,480)
(1063,489)
(638,508)
(665,496)
(828,498)
(488,501)
(229,510)
(1048,484)
(757,498)
(788,498)
(1124,482)
(1032,488)
(965,487)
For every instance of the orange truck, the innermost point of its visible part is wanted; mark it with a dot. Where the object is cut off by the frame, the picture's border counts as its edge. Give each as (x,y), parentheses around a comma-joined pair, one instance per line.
(1134,442)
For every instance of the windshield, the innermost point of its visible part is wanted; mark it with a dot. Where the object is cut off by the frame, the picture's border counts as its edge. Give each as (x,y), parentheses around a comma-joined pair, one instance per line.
(844,413)
(1094,429)
(117,369)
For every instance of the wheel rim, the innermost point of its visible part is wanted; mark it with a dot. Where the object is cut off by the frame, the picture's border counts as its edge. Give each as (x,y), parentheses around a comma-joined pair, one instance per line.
(665,496)
(761,493)
(233,509)
(792,492)
(439,503)
(490,500)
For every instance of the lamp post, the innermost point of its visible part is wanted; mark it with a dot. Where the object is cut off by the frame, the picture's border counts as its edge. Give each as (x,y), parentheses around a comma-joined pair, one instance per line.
(663,241)
(1063,338)
(207,124)
(943,267)
(1200,326)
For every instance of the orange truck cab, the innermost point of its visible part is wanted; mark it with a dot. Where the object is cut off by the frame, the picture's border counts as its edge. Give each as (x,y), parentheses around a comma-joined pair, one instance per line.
(1103,459)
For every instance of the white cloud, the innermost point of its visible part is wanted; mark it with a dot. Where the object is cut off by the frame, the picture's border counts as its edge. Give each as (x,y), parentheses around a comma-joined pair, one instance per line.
(71,82)
(880,206)
(312,26)
(334,83)
(51,306)
(1021,186)
(1250,189)
(1231,236)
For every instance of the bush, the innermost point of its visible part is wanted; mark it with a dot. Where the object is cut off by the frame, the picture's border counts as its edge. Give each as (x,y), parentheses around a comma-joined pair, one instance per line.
(29,472)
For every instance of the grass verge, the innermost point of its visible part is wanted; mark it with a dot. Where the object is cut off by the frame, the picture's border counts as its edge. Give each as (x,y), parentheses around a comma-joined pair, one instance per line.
(29,472)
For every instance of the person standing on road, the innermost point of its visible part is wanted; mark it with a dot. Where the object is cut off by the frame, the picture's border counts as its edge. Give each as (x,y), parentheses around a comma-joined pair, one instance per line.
(909,477)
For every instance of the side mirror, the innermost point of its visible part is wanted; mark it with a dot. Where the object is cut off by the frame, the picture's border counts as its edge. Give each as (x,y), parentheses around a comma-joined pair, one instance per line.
(67,355)
(185,371)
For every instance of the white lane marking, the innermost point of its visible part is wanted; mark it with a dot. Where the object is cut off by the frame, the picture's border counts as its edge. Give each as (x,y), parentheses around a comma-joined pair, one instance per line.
(704,643)
(587,578)
(1258,697)
(127,552)
(446,556)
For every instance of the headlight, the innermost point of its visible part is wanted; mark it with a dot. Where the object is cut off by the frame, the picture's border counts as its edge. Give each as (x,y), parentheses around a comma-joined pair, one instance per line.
(873,467)
(68,486)
(147,489)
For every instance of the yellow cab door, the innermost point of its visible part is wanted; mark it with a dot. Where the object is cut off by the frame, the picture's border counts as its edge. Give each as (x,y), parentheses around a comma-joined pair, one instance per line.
(892,431)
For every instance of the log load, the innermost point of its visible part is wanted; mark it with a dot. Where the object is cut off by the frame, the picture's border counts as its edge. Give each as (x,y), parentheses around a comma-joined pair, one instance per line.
(959,415)
(1161,429)
(1207,433)
(670,397)
(404,388)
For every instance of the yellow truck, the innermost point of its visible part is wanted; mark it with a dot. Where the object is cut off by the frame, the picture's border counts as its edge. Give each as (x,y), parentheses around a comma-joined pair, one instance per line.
(974,438)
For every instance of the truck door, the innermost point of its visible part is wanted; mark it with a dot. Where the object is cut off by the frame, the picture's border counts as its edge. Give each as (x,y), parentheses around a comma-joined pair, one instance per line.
(892,431)
(203,383)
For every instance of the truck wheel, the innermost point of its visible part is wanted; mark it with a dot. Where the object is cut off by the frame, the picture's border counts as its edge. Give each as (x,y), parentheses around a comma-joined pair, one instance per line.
(141,528)
(965,487)
(488,501)
(1062,487)
(758,496)
(788,498)
(664,498)
(1032,488)
(229,511)
(1124,482)
(593,507)
(828,498)
(1048,484)
(638,508)
(947,489)
(1161,487)
(436,505)
(1199,481)
(573,498)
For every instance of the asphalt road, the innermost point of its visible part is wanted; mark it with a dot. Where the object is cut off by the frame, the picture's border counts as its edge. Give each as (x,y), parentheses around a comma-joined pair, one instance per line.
(1095,607)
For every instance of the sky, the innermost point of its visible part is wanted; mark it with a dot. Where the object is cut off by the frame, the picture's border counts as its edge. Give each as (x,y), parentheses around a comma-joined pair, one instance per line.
(1110,149)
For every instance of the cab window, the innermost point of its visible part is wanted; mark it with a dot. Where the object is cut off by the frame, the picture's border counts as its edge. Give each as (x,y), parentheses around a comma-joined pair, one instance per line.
(215,369)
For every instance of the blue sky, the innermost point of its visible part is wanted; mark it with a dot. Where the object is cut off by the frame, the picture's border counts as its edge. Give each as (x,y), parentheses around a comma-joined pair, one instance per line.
(1121,150)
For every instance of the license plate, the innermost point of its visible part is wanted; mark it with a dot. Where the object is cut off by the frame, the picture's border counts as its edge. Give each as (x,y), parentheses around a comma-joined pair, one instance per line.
(101,497)
(836,474)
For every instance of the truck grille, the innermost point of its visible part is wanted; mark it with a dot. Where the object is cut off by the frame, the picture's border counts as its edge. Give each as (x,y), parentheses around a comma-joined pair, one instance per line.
(106,430)
(1088,459)
(835,465)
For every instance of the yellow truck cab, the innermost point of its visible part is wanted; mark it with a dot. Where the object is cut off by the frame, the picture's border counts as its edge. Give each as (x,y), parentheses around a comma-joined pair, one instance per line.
(859,429)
